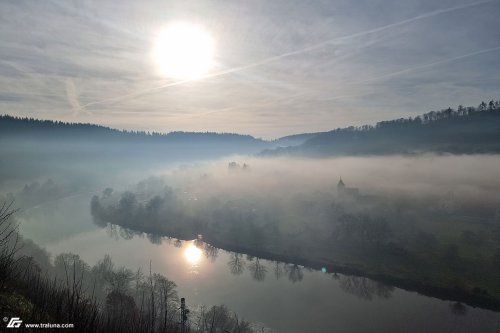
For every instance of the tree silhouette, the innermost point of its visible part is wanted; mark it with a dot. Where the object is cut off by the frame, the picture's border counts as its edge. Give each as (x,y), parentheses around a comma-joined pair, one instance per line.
(167,295)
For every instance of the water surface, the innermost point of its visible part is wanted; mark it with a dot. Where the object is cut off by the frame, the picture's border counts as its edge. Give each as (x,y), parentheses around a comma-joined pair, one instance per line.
(285,298)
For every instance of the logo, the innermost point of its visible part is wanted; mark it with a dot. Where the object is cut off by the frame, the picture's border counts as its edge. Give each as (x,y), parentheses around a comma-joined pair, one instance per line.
(14,322)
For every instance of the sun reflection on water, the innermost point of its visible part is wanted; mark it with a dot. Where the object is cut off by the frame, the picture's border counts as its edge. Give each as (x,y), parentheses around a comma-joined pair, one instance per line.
(192,254)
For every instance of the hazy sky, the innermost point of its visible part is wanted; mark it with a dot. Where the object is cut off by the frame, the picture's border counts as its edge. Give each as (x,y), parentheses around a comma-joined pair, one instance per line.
(282,66)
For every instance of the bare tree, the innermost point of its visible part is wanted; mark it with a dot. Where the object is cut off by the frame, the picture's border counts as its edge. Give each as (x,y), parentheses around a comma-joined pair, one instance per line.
(9,242)
(168,299)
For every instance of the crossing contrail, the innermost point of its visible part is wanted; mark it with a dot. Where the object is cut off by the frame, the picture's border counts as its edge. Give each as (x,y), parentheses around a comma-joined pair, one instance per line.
(439,62)
(304,50)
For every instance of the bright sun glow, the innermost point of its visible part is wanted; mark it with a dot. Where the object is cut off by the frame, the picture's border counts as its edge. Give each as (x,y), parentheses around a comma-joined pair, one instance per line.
(192,254)
(184,51)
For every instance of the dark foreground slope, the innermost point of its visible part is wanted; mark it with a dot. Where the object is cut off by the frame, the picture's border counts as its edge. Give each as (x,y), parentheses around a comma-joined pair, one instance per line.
(68,295)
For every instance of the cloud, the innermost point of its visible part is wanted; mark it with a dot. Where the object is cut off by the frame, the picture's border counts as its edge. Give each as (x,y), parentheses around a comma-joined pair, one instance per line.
(283,66)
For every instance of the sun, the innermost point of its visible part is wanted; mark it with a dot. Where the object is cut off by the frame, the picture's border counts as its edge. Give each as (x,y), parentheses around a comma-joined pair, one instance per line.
(192,254)
(184,51)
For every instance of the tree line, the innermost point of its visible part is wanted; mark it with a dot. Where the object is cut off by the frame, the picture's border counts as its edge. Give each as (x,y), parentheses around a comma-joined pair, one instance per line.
(461,130)
(30,127)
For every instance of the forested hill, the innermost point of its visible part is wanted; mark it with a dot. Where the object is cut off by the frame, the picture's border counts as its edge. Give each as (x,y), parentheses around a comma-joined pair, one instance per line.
(465,130)
(29,128)
(462,130)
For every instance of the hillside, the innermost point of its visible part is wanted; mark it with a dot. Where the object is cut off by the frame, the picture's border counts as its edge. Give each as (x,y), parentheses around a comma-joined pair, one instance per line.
(465,130)
(29,128)
(461,131)
(35,147)
(295,139)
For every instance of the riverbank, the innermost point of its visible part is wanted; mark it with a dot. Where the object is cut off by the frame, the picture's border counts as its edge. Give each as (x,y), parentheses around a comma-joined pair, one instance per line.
(455,293)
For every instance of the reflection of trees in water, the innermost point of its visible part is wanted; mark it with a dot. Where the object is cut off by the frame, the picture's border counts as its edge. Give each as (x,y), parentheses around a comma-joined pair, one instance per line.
(112,231)
(126,233)
(384,290)
(154,239)
(257,270)
(458,309)
(198,242)
(364,288)
(294,272)
(116,231)
(211,252)
(236,264)
(278,270)
(98,221)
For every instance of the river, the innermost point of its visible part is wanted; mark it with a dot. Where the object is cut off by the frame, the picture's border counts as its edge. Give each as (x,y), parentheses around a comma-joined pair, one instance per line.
(284,298)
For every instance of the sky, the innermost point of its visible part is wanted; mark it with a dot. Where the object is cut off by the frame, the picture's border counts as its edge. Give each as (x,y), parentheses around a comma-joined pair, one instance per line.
(280,67)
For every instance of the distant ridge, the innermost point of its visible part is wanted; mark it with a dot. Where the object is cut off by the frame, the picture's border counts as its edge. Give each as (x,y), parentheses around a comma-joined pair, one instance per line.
(30,148)
(466,130)
(16,127)
(295,139)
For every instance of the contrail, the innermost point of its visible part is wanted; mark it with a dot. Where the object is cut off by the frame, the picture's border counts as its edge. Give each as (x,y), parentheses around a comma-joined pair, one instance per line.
(295,52)
(72,96)
(426,65)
